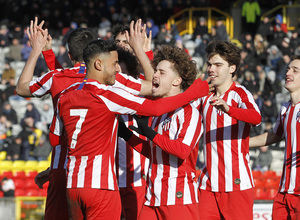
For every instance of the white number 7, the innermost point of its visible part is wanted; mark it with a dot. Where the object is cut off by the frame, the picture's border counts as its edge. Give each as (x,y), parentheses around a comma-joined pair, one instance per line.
(81,113)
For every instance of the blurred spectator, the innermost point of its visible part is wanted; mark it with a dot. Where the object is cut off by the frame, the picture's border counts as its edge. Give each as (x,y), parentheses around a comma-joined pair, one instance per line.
(124,16)
(31,112)
(294,41)
(9,92)
(246,39)
(30,136)
(260,48)
(179,44)
(273,57)
(269,110)
(285,47)
(73,26)
(7,186)
(40,67)
(263,160)
(265,28)
(14,53)
(150,26)
(46,115)
(105,23)
(4,37)
(251,15)
(26,50)
(3,130)
(248,63)
(282,66)
(41,149)
(161,35)
(63,57)
(221,31)
(9,112)
(13,147)
(279,24)
(8,73)
(249,82)
(16,32)
(200,29)
(200,49)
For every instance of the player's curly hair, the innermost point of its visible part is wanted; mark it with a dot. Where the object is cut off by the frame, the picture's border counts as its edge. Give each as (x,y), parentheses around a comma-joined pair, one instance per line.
(119,29)
(227,50)
(182,64)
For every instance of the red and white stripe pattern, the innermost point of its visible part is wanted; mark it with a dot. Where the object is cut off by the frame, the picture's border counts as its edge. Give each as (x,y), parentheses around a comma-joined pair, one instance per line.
(170,179)
(88,113)
(132,167)
(288,127)
(226,143)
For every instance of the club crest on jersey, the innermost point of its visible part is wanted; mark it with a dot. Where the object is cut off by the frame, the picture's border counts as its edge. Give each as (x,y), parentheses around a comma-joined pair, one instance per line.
(220,112)
(166,124)
(298,116)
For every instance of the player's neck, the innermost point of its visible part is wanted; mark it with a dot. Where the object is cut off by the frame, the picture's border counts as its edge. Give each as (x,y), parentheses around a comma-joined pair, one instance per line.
(221,89)
(295,97)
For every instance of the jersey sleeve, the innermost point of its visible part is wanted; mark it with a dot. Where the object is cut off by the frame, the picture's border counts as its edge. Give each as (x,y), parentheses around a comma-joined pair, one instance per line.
(42,85)
(247,109)
(189,132)
(128,83)
(51,60)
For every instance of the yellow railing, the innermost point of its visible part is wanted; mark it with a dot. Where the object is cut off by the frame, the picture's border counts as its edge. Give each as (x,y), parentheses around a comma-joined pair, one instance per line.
(290,15)
(187,19)
(30,207)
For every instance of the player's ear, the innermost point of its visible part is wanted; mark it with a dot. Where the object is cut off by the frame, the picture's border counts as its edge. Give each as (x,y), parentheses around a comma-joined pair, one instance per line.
(98,65)
(177,81)
(232,68)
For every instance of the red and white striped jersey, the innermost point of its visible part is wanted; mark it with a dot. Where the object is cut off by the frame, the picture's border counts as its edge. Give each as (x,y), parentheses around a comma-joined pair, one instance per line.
(88,113)
(288,127)
(55,81)
(170,178)
(226,141)
(132,167)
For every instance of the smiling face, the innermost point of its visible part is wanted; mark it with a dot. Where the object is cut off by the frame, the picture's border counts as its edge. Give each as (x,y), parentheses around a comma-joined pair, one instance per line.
(220,72)
(292,78)
(166,81)
(110,67)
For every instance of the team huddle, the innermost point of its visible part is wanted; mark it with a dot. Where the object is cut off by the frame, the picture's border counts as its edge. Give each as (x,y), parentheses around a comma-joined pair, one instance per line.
(125,145)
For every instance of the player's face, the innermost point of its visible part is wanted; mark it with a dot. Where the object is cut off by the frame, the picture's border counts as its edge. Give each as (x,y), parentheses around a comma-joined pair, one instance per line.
(122,42)
(292,78)
(110,67)
(164,80)
(220,71)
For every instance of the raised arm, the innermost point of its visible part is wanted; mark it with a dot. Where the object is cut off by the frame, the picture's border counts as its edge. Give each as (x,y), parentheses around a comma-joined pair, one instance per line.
(38,39)
(136,40)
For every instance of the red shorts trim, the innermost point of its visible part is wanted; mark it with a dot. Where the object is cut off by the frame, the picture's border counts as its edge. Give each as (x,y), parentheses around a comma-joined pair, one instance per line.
(170,212)
(92,204)
(226,205)
(132,199)
(286,206)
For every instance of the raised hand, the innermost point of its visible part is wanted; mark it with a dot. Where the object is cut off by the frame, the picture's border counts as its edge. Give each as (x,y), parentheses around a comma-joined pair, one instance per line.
(136,38)
(36,35)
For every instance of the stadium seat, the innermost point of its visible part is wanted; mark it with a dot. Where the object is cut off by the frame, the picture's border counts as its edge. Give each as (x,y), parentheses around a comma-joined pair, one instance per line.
(259,183)
(260,194)
(31,165)
(5,165)
(257,174)
(18,175)
(7,174)
(43,165)
(18,165)
(30,184)
(31,174)
(272,183)
(272,192)
(43,192)
(1,194)
(19,184)
(32,192)
(20,192)
(2,155)
(269,174)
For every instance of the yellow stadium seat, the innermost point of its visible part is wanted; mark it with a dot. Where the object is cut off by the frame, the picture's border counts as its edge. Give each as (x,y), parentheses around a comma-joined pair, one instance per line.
(2,155)
(18,165)
(5,165)
(43,165)
(31,165)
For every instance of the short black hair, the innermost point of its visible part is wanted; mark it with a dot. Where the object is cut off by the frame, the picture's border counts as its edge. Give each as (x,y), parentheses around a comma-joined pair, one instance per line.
(119,29)
(78,40)
(98,47)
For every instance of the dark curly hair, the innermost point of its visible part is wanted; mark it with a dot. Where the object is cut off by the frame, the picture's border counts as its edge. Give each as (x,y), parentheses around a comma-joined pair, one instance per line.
(182,64)
(131,62)
(119,28)
(227,50)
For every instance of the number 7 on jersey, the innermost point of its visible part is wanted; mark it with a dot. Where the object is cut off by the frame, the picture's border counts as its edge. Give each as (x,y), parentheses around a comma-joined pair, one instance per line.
(81,113)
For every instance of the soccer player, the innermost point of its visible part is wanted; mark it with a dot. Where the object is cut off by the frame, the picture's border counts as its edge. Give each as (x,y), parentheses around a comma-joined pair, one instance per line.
(287,201)
(226,183)
(173,149)
(54,82)
(87,113)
